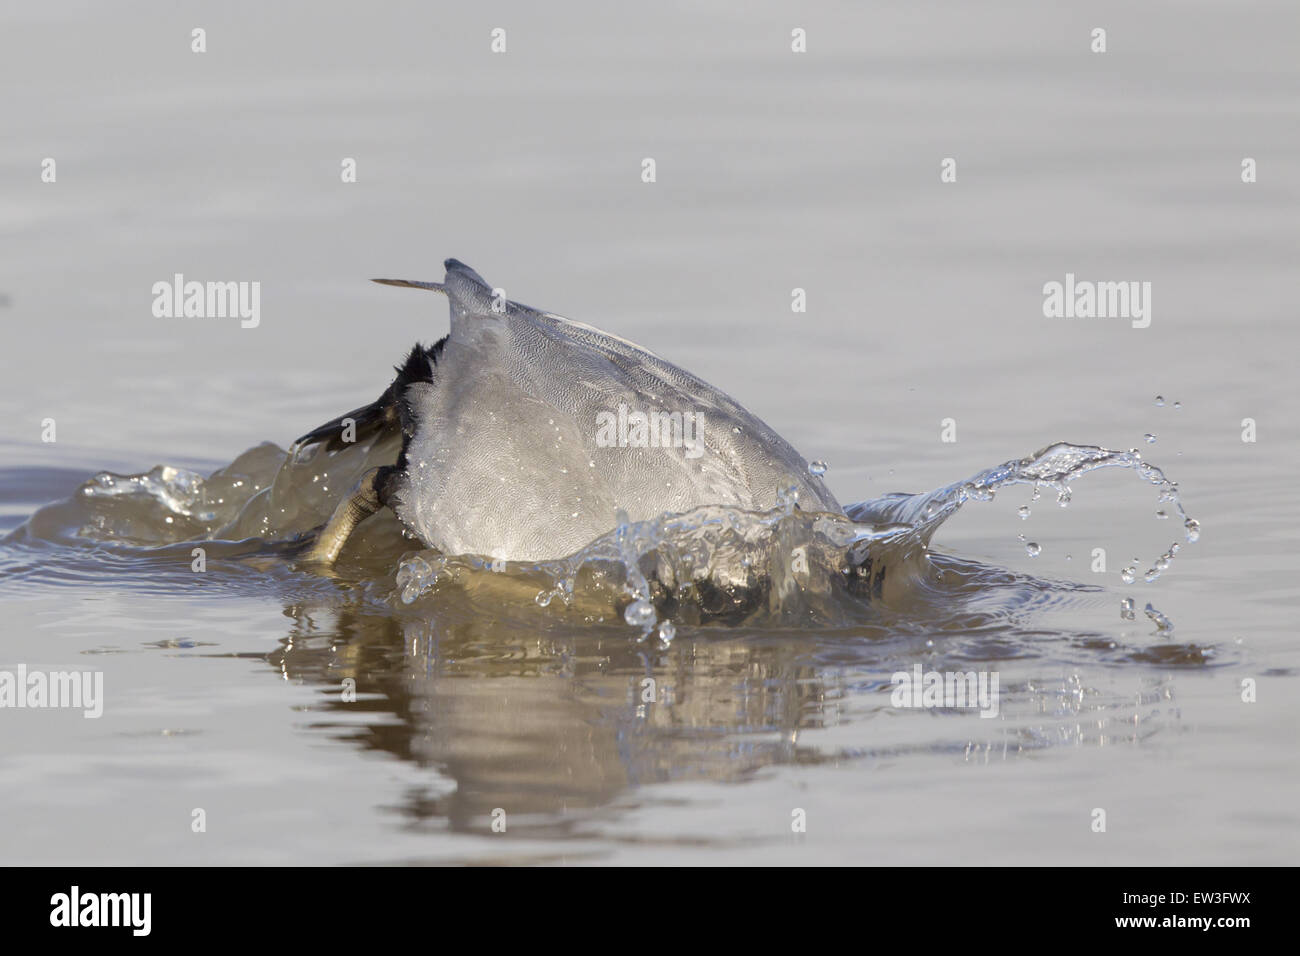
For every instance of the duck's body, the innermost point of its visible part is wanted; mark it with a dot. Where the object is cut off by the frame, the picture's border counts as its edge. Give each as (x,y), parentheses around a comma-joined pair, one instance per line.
(524,437)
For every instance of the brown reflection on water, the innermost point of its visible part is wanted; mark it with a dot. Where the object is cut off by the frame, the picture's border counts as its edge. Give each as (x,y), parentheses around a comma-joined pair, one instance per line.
(541,722)
(539,715)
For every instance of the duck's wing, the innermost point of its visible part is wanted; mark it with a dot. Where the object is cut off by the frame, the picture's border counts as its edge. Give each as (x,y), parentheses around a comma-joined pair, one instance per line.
(387,413)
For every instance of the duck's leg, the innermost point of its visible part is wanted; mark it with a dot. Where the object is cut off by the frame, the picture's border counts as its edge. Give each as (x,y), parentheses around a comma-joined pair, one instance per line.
(367,496)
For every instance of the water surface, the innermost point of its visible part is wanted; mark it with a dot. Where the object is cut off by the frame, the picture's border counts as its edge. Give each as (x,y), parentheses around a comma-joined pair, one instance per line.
(775,171)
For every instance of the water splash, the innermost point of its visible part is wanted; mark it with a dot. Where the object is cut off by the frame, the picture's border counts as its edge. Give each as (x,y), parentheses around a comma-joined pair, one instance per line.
(798,561)
(787,565)
(1054,467)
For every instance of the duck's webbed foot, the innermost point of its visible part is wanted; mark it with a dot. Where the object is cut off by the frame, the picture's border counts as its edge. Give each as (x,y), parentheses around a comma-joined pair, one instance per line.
(367,496)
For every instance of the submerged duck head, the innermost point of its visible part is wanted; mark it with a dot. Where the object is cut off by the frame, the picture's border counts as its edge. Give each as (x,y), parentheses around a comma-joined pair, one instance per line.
(525,435)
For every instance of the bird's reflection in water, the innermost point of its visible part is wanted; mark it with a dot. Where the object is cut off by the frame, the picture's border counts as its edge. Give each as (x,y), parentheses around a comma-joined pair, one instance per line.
(516,710)
(540,722)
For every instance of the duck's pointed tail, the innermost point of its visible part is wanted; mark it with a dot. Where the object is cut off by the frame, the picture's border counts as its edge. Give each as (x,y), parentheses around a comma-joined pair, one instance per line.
(413,284)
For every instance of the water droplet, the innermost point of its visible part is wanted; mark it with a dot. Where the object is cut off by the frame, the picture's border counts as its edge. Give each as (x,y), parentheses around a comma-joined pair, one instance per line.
(1151,439)
(543,598)
(1162,515)
(1126,610)
(1023,511)
(1160,399)
(1162,622)
(1193,529)
(817,468)
(1128,575)
(1033,549)
(787,498)
(1178,404)
(640,613)
(1063,499)
(667,631)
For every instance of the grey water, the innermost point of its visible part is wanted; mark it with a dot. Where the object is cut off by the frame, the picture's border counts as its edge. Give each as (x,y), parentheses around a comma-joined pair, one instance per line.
(520,691)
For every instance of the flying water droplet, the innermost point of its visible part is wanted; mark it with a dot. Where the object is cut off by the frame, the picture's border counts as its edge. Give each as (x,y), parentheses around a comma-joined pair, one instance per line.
(667,631)
(1128,575)
(640,613)
(1033,549)
(1162,622)
(413,578)
(1160,400)
(1023,511)
(1126,610)
(1193,529)
(817,468)
(1151,439)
